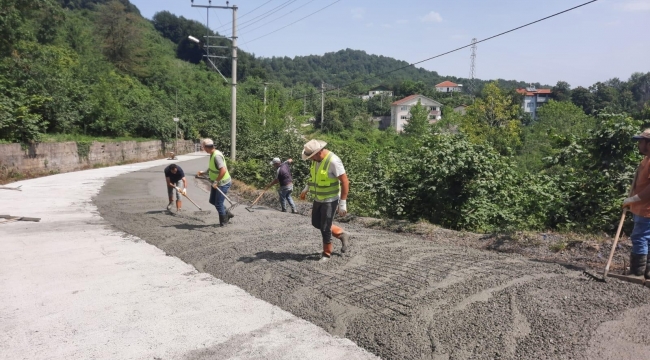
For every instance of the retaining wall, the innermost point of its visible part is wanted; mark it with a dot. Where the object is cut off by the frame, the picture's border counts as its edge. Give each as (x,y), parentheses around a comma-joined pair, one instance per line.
(70,156)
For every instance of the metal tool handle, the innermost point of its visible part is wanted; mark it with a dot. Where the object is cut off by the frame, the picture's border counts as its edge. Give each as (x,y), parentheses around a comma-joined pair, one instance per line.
(188,198)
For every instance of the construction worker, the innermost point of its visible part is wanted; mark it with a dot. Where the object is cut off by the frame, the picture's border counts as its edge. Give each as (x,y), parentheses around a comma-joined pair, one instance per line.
(173,176)
(220,178)
(639,204)
(283,177)
(329,185)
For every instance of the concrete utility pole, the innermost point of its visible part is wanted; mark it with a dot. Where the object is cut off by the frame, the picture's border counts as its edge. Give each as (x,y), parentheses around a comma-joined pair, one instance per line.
(233,38)
(233,119)
(472,69)
(264,122)
(322,104)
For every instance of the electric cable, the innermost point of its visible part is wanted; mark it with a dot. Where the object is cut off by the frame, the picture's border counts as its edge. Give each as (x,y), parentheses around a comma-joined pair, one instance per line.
(303,18)
(460,48)
(276,19)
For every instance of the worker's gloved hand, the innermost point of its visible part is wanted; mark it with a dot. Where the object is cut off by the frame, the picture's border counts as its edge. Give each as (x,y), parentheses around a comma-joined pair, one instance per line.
(343,207)
(303,194)
(184,192)
(627,202)
(215,185)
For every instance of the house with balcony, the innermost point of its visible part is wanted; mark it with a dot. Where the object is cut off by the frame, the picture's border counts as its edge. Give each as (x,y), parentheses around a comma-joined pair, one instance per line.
(534,99)
(449,87)
(400,110)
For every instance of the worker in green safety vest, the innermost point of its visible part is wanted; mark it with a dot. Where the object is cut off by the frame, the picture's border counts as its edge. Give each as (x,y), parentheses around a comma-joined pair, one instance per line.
(220,178)
(329,186)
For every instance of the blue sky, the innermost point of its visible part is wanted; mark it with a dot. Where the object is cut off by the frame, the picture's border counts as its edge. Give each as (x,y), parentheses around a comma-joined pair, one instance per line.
(606,39)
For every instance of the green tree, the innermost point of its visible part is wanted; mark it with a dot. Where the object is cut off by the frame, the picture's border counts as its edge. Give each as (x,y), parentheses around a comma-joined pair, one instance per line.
(584,98)
(494,118)
(561,91)
(121,36)
(418,123)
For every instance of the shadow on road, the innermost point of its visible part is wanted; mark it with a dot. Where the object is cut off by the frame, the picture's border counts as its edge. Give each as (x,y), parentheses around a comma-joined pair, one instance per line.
(279,256)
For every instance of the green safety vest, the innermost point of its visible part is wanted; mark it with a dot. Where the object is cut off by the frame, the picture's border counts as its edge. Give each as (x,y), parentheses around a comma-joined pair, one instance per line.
(214,172)
(321,185)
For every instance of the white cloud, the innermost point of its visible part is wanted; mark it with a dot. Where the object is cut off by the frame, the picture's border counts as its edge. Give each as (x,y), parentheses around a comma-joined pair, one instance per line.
(358,13)
(402,21)
(431,17)
(638,5)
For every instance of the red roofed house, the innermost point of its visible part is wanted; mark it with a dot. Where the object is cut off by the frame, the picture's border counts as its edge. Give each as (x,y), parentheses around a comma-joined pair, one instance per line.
(449,87)
(533,99)
(400,110)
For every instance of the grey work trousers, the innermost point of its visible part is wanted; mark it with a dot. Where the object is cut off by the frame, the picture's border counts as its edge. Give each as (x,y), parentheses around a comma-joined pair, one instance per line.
(322,216)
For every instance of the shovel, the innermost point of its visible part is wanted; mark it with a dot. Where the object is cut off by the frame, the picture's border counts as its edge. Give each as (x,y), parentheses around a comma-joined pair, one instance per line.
(232,204)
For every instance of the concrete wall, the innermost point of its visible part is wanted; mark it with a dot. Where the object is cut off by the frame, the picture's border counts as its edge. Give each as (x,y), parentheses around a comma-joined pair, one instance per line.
(68,156)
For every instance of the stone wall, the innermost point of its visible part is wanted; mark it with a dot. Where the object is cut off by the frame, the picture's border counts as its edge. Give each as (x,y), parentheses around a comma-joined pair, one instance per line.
(70,156)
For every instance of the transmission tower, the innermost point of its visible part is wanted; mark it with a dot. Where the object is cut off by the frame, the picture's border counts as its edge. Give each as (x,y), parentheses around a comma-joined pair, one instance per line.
(472,69)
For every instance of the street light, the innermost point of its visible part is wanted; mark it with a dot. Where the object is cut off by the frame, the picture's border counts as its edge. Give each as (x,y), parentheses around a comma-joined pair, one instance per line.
(193,39)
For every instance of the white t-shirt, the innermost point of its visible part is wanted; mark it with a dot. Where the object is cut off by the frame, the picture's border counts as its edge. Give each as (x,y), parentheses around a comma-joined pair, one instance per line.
(336,169)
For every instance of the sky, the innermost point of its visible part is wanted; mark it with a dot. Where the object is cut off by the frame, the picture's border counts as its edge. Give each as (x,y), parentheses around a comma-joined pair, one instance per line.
(597,42)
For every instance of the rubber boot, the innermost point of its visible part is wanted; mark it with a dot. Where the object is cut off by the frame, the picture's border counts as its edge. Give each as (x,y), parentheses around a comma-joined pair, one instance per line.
(226,219)
(222,221)
(230,214)
(340,234)
(327,252)
(647,268)
(638,264)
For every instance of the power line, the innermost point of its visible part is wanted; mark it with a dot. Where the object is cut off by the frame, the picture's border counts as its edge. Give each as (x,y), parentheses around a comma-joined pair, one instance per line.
(473,43)
(230,22)
(249,23)
(270,12)
(303,18)
(278,18)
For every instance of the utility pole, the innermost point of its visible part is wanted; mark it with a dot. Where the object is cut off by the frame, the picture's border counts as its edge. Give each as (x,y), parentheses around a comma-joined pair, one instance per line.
(322,104)
(233,118)
(264,122)
(472,69)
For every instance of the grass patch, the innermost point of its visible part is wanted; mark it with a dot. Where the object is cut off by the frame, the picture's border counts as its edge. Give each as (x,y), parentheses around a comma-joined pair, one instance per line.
(8,175)
(558,246)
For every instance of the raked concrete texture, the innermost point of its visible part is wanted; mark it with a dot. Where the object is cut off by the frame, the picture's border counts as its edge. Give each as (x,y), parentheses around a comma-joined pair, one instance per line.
(72,287)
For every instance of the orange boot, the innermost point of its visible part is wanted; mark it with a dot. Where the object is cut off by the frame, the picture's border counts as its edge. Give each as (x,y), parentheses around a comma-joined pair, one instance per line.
(327,252)
(340,234)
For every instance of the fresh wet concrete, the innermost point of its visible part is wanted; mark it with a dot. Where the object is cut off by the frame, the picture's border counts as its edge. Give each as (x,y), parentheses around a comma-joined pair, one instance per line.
(397,296)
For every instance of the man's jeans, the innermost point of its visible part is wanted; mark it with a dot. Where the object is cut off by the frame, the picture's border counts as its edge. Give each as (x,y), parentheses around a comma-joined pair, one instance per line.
(217,199)
(640,235)
(285,196)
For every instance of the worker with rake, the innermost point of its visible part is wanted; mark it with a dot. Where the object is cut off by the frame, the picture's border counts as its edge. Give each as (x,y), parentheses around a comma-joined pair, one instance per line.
(329,185)
(220,178)
(639,205)
(283,177)
(173,176)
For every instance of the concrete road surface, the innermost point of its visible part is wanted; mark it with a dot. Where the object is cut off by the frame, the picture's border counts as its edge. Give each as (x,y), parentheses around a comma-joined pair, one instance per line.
(73,287)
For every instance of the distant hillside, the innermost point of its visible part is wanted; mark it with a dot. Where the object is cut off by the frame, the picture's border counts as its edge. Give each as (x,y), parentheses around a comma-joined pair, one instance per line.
(336,68)
(347,65)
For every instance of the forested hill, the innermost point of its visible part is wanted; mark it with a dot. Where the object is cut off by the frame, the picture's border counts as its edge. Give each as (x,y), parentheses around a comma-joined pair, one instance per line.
(336,68)
(348,65)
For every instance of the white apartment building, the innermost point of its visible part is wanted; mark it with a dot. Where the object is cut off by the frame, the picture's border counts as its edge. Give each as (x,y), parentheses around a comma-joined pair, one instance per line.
(400,110)
(533,99)
(449,87)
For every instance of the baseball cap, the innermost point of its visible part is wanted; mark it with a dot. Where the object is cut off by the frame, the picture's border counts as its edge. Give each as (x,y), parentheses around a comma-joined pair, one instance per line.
(644,135)
(275,161)
(207,142)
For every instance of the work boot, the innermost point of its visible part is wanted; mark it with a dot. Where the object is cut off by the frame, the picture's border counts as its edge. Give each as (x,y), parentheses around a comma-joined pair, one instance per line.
(345,241)
(222,220)
(284,210)
(647,268)
(637,264)
(230,214)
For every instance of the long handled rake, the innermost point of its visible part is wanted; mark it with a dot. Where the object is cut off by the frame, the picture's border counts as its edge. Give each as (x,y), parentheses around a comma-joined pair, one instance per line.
(250,208)
(201,211)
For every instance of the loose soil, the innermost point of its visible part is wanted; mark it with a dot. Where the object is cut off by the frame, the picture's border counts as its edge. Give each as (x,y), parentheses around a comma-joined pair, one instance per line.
(398,295)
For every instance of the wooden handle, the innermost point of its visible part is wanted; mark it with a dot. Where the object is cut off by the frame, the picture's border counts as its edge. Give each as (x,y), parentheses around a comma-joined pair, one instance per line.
(255,202)
(618,234)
